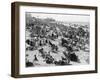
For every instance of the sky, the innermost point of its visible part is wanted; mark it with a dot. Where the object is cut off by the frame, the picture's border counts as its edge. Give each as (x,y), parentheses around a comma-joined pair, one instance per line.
(62,17)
